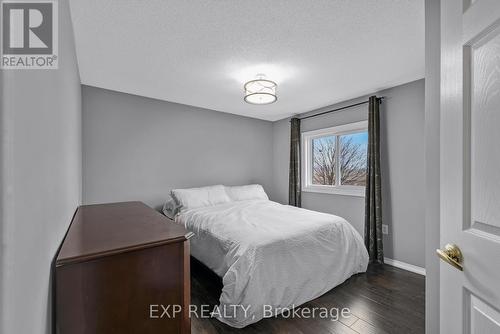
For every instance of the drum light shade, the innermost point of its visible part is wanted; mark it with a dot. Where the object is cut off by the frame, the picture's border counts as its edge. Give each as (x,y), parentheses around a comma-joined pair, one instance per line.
(260,91)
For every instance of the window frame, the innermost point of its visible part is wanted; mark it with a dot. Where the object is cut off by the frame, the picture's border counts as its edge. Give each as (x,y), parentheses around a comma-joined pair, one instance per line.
(306,160)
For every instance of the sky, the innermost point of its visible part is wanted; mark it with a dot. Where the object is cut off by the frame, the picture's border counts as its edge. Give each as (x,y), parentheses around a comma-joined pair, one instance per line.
(358,138)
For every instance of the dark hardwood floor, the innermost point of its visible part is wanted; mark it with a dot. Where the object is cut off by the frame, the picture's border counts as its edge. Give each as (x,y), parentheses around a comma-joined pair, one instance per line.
(385,299)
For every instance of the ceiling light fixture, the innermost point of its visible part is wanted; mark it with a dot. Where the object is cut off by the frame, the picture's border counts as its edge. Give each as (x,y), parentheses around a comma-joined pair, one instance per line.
(260,91)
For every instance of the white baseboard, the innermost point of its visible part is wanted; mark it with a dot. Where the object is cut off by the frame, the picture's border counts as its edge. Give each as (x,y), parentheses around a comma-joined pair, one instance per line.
(405,266)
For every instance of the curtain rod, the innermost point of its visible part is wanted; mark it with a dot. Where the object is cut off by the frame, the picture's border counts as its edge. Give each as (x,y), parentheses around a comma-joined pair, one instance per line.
(341,108)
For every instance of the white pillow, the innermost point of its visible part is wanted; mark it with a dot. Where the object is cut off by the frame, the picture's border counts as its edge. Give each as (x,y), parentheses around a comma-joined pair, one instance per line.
(242,193)
(170,208)
(200,197)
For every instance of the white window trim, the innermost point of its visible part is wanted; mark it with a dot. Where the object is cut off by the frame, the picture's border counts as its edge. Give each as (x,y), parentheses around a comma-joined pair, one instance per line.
(306,143)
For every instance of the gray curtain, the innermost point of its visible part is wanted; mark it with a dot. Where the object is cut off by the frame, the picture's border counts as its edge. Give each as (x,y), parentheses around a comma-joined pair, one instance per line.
(294,196)
(373,198)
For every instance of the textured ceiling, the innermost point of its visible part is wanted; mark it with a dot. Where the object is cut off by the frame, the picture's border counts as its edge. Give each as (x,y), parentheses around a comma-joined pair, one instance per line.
(200,53)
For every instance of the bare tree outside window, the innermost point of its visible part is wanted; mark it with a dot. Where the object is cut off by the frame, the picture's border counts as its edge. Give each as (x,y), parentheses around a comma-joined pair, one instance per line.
(352,158)
(324,164)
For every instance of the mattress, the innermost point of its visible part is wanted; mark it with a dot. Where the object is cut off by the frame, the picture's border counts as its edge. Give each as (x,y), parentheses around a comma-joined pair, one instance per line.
(271,255)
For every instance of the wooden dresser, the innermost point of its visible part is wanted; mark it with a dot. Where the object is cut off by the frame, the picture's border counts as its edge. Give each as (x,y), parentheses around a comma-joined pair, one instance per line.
(119,266)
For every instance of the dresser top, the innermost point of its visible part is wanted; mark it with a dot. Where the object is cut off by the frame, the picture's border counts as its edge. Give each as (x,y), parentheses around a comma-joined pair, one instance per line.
(106,229)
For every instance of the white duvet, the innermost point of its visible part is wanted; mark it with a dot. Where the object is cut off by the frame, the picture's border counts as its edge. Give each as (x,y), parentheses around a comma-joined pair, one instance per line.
(272,254)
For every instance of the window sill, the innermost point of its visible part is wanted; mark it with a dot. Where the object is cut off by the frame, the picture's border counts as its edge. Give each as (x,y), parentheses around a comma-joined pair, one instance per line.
(345,191)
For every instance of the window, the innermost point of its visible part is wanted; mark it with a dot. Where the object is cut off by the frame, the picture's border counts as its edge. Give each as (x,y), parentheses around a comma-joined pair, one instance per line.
(334,159)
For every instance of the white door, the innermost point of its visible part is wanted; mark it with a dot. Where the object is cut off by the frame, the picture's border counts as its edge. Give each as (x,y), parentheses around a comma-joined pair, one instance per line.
(470,165)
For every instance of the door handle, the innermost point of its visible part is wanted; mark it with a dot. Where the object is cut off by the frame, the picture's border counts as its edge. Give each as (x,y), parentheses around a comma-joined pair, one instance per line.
(451,254)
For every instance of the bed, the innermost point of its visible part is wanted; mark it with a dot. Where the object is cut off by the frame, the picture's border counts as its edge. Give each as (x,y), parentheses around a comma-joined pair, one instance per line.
(270,256)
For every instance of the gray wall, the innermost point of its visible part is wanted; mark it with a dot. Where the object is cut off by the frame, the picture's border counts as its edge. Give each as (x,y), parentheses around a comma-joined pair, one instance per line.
(402,145)
(40,181)
(432,161)
(136,148)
